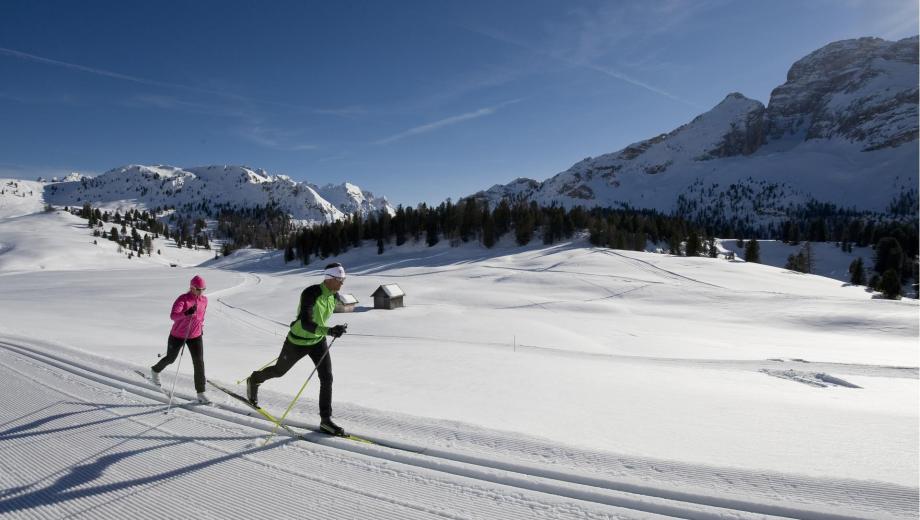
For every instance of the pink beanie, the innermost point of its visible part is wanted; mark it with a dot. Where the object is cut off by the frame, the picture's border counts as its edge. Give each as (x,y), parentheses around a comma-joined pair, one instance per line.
(197,282)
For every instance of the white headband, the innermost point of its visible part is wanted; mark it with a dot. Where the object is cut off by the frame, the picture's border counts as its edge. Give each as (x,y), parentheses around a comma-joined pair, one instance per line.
(335,272)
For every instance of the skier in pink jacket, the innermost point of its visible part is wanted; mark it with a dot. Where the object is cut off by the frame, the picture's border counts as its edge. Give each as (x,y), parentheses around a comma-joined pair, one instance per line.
(188,326)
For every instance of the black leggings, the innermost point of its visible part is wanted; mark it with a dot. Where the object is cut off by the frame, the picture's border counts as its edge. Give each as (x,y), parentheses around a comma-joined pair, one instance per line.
(195,348)
(291,354)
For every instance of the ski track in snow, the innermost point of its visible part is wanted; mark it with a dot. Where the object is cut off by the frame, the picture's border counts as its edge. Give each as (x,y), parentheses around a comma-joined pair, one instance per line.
(109,451)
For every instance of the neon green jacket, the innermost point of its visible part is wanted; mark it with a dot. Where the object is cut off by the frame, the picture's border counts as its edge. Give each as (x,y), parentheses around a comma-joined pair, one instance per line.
(316,305)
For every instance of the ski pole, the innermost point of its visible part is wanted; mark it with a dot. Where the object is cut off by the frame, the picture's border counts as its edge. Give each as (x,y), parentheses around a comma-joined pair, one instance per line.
(260,368)
(296,397)
(188,331)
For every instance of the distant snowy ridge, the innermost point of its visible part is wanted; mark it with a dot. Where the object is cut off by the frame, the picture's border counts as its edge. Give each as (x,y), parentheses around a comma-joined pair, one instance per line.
(842,129)
(229,186)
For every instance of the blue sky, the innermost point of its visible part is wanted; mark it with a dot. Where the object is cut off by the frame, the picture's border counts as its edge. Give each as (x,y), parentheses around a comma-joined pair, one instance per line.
(418,101)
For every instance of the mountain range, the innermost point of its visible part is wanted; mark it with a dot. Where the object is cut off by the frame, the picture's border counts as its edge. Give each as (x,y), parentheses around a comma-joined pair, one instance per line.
(842,129)
(234,187)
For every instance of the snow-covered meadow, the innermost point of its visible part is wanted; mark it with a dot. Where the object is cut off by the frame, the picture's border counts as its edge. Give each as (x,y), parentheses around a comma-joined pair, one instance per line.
(563,381)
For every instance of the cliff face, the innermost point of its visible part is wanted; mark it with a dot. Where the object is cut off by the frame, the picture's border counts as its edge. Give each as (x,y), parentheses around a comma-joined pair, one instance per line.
(863,90)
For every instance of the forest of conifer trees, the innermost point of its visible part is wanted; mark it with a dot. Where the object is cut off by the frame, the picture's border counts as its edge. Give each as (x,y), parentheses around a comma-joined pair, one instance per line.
(471,220)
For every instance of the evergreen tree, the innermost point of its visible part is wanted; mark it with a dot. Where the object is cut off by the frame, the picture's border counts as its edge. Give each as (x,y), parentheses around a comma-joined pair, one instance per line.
(796,262)
(752,251)
(674,244)
(890,284)
(808,258)
(889,255)
(431,229)
(523,223)
(857,272)
(502,218)
(693,244)
(488,228)
(711,248)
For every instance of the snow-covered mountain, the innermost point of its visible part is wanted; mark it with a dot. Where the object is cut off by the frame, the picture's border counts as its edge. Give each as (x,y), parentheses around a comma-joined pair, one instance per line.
(229,186)
(842,129)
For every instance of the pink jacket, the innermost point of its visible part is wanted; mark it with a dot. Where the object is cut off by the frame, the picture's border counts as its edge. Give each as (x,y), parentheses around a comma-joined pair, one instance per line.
(188,326)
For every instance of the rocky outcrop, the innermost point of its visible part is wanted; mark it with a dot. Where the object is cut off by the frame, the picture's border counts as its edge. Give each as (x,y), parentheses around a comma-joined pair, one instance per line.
(863,90)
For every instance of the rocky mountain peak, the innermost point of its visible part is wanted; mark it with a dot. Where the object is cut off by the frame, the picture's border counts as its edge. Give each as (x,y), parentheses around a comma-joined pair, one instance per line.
(864,90)
(809,143)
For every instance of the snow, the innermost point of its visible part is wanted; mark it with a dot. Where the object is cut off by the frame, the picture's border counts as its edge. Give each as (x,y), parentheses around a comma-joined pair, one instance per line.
(18,197)
(560,382)
(149,187)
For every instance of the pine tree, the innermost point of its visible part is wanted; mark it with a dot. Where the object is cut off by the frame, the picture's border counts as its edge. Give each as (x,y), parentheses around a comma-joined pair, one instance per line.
(674,244)
(889,255)
(488,228)
(752,251)
(693,244)
(890,284)
(796,262)
(857,272)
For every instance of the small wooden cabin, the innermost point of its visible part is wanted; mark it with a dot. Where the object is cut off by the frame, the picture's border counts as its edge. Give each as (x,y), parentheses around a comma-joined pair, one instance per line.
(388,296)
(345,302)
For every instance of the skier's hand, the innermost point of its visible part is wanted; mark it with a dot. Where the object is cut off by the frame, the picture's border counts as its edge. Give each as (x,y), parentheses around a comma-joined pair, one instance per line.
(191,310)
(338,330)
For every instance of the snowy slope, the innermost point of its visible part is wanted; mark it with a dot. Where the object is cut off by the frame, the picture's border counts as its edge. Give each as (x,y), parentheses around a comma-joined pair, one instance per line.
(557,382)
(842,129)
(149,187)
(109,451)
(18,197)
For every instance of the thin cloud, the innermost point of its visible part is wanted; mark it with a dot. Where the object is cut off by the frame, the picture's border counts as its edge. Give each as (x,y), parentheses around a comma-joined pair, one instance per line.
(342,112)
(430,127)
(274,139)
(592,35)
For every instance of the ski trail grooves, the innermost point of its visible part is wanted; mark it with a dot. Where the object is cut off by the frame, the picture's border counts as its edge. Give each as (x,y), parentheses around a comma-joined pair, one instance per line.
(652,268)
(580,486)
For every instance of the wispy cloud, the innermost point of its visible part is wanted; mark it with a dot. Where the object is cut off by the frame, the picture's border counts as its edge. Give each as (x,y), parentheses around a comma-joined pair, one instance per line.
(342,112)
(898,22)
(448,121)
(276,139)
(588,38)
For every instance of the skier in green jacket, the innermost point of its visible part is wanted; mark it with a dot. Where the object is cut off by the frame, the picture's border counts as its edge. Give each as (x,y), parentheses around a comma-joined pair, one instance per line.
(307,337)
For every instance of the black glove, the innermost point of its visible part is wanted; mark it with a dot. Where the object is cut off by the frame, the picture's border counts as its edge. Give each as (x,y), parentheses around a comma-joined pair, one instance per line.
(191,310)
(338,330)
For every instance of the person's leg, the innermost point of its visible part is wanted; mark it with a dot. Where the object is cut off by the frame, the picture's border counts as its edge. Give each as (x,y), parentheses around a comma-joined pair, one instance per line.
(173,345)
(319,353)
(290,354)
(196,349)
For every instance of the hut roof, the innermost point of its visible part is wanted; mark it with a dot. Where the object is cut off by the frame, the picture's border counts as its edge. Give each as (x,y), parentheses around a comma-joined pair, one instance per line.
(391,290)
(346,299)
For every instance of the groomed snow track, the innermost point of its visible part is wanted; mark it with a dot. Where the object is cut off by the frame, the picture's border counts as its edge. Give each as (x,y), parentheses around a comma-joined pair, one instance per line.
(86,442)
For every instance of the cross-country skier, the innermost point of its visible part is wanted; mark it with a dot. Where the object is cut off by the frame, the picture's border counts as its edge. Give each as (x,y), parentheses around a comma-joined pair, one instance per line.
(307,337)
(188,324)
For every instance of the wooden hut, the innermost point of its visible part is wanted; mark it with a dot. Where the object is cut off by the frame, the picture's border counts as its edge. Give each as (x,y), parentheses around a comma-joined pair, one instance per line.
(345,302)
(388,296)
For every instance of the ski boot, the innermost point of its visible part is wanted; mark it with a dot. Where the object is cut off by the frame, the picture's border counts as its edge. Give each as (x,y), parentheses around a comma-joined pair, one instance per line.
(327,426)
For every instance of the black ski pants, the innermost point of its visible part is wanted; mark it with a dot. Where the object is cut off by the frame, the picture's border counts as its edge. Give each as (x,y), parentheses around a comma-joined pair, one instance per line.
(195,348)
(291,354)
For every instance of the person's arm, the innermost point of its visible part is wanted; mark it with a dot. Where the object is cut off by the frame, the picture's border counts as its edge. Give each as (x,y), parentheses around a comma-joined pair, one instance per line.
(307,301)
(178,309)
